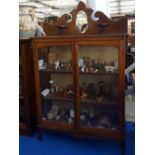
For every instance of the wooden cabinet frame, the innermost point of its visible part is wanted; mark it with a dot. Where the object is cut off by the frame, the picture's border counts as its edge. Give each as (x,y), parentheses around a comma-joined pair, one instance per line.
(28,96)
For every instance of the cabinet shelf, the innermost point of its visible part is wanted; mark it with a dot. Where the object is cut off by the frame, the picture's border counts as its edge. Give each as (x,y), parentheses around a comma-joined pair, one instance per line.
(83,73)
(57,98)
(107,101)
(55,71)
(98,73)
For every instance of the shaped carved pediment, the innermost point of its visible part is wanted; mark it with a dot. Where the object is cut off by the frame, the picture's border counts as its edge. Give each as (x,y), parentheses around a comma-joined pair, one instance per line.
(80,21)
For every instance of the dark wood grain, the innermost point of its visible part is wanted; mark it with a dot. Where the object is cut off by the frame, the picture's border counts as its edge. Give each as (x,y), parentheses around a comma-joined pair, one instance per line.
(58,98)
(28,96)
(103,25)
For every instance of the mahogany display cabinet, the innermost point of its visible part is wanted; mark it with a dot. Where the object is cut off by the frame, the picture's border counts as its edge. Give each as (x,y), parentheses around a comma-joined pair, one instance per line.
(79,75)
(27,114)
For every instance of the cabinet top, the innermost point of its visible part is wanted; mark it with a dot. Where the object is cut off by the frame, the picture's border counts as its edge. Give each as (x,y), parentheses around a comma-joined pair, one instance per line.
(83,21)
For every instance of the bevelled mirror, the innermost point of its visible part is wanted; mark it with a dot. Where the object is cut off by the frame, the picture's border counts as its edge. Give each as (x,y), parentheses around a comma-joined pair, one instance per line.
(81,22)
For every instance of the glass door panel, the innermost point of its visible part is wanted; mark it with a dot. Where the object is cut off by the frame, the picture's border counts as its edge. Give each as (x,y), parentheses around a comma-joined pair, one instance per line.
(56,84)
(98,85)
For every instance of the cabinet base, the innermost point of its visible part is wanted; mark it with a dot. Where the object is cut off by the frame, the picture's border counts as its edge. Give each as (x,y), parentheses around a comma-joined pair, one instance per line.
(121,141)
(25,131)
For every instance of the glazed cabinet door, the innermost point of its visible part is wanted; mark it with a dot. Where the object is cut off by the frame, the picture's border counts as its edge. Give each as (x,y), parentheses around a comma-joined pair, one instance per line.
(99,86)
(54,74)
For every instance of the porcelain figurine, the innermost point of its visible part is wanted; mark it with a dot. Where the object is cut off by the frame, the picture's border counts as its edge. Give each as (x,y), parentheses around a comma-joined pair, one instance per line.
(57,65)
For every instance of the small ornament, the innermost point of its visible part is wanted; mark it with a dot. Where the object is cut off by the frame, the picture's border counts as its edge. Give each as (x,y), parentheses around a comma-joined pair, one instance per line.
(91,113)
(105,121)
(109,69)
(82,69)
(82,117)
(57,65)
(56,89)
(84,95)
(72,113)
(80,62)
(99,99)
(100,84)
(87,70)
(86,61)
(95,71)
(52,89)
(45,92)
(58,117)
(70,120)
(42,64)
(53,112)
(65,93)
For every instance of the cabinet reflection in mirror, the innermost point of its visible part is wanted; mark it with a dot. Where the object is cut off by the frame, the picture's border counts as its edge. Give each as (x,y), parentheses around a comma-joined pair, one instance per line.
(81,22)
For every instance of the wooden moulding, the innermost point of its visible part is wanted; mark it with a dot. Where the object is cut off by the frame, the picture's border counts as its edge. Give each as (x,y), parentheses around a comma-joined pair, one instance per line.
(103,24)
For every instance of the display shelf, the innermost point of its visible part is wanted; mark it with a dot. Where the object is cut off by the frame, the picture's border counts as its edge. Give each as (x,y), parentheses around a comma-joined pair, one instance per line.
(57,125)
(84,73)
(113,133)
(55,71)
(99,128)
(106,101)
(58,98)
(56,122)
(98,73)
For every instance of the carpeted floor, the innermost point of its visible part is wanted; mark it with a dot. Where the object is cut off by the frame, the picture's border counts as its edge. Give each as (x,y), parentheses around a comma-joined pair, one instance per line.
(59,144)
